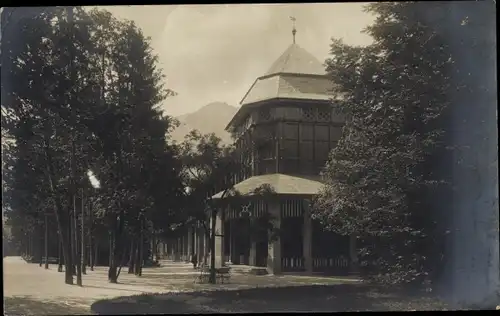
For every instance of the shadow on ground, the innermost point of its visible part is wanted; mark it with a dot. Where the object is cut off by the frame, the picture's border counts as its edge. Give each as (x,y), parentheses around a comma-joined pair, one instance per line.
(320,298)
(21,305)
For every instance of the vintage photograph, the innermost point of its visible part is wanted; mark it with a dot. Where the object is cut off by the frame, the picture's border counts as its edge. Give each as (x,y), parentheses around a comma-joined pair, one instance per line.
(250,158)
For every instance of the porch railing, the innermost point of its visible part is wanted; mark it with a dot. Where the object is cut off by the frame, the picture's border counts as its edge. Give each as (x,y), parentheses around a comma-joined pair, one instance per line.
(333,265)
(291,264)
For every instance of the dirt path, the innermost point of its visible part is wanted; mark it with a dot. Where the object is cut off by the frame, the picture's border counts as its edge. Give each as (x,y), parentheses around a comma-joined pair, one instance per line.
(32,290)
(29,289)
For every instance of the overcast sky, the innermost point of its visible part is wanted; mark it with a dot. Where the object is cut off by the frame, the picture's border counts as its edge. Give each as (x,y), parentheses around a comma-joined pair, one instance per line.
(215,52)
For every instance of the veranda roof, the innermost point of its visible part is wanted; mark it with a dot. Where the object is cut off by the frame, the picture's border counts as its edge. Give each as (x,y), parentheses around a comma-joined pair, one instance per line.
(282,184)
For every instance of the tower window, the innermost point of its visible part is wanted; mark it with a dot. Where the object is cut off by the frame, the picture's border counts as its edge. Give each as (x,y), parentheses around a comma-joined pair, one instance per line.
(308,114)
(265,114)
(324,114)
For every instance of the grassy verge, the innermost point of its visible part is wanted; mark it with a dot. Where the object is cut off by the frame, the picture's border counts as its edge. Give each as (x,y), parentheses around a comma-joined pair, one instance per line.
(28,306)
(319,298)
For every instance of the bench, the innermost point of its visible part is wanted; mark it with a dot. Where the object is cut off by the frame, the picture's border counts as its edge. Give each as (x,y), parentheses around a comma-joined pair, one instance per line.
(221,274)
(31,259)
(204,274)
(51,260)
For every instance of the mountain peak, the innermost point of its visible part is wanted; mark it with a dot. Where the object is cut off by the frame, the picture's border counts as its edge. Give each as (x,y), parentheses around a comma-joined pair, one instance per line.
(217,106)
(211,118)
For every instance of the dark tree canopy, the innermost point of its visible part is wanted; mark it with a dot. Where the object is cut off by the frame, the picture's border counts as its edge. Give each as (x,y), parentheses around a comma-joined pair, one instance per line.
(84,93)
(394,93)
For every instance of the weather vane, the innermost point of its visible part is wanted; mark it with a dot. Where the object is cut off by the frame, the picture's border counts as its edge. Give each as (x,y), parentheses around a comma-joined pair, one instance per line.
(294,31)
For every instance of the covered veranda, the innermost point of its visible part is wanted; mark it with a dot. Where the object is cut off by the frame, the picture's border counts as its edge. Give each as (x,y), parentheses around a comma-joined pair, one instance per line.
(300,246)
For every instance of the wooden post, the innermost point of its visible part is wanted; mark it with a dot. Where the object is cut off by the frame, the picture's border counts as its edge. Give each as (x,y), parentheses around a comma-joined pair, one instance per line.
(91,258)
(60,254)
(96,254)
(82,261)
(274,249)
(40,248)
(78,265)
(307,246)
(131,258)
(46,242)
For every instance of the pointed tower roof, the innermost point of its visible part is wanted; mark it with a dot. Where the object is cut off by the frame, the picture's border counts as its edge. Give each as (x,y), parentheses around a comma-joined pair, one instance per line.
(296,60)
(295,75)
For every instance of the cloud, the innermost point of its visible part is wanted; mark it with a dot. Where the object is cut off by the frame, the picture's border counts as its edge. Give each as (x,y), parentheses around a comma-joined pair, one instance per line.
(215,52)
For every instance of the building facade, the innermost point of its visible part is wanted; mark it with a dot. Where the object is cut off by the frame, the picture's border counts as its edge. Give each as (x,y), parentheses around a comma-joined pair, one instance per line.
(288,122)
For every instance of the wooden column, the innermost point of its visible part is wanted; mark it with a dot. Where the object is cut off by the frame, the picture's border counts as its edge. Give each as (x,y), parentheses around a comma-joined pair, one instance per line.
(274,248)
(181,248)
(178,249)
(219,240)
(185,245)
(253,252)
(232,242)
(201,244)
(252,256)
(170,249)
(189,243)
(195,241)
(307,237)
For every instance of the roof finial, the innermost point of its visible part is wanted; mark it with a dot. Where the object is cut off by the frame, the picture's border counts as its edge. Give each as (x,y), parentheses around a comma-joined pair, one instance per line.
(294,31)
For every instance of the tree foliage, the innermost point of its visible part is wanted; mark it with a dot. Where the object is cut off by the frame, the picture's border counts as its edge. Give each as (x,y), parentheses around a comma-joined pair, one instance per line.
(83,94)
(210,168)
(393,93)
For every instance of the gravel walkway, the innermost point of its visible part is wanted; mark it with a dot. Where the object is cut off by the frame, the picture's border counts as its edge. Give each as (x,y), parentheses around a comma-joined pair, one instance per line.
(31,290)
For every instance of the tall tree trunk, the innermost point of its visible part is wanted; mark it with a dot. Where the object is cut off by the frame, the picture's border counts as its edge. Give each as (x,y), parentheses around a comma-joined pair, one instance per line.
(71,100)
(59,254)
(72,243)
(62,217)
(131,256)
(78,264)
(141,249)
(117,228)
(110,259)
(46,242)
(115,254)
(96,255)
(68,254)
(40,248)
(91,258)
(31,244)
(116,235)
(136,258)
(212,247)
(26,245)
(83,250)
(154,252)
(111,263)
(122,262)
(157,251)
